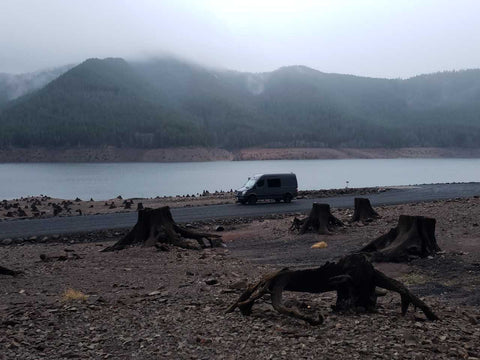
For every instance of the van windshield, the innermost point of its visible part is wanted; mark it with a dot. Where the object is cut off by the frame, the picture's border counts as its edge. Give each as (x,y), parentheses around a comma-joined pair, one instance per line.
(249,184)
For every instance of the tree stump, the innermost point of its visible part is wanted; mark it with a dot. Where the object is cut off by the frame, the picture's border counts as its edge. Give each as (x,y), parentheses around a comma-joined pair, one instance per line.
(353,278)
(320,220)
(156,226)
(414,236)
(363,210)
(5,271)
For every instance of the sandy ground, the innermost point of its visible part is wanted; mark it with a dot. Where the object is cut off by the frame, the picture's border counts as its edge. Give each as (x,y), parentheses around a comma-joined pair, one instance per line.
(144,304)
(113,154)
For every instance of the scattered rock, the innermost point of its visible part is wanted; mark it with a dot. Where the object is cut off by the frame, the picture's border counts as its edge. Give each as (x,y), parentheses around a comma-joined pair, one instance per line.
(7,241)
(154,293)
(239,285)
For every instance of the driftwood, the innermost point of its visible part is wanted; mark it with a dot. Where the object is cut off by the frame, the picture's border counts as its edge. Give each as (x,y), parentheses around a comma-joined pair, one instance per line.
(156,226)
(363,210)
(320,220)
(69,255)
(353,278)
(6,271)
(413,237)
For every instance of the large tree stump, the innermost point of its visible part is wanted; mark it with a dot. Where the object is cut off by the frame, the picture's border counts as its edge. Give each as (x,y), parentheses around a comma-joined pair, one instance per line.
(353,278)
(414,236)
(320,220)
(5,271)
(363,210)
(156,226)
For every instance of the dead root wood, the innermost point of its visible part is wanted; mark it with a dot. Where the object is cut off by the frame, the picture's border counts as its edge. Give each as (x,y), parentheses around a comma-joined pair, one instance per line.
(353,278)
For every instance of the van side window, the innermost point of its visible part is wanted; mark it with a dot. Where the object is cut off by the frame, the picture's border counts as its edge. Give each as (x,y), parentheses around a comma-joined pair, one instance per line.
(274,183)
(260,183)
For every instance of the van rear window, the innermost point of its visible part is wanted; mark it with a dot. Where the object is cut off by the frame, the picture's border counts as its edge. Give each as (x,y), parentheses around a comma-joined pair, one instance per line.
(274,183)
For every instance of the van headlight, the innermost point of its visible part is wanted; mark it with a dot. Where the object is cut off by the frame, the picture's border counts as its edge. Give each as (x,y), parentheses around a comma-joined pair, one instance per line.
(244,192)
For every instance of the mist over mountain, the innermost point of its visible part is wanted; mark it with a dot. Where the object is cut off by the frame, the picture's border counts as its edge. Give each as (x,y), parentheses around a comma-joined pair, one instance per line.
(13,86)
(167,103)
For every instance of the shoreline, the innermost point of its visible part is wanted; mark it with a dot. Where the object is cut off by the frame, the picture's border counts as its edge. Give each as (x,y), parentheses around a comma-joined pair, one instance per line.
(41,207)
(198,154)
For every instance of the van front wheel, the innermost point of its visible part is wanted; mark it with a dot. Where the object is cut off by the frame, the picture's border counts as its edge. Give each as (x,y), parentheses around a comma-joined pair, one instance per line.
(252,200)
(287,198)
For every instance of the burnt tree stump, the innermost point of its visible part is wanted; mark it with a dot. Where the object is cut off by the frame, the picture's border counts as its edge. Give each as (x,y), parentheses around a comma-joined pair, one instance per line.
(353,278)
(320,220)
(156,226)
(5,271)
(414,236)
(363,210)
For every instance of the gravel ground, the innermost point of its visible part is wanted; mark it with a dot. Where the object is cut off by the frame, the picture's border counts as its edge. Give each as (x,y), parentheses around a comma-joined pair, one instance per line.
(143,304)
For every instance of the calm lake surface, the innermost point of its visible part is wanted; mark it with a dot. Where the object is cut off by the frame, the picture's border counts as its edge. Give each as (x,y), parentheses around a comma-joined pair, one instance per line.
(105,181)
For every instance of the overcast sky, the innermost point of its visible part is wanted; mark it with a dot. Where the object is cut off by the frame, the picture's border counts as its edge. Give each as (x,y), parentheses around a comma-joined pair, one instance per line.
(380,38)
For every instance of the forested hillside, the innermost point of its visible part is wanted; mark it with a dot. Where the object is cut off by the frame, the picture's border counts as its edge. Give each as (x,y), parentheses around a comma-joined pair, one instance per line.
(168,103)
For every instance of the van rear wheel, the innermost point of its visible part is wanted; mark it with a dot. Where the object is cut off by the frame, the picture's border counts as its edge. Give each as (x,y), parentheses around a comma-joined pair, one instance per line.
(287,198)
(252,200)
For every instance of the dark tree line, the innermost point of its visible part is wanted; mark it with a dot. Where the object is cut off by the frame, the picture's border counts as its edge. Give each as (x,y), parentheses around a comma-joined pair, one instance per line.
(169,104)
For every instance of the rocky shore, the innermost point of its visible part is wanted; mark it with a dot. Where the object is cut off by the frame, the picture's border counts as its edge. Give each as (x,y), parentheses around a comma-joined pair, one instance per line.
(186,154)
(73,301)
(44,206)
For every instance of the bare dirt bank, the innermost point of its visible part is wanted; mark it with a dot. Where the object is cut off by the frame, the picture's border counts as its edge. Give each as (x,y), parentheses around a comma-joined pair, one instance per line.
(350,153)
(184,154)
(113,154)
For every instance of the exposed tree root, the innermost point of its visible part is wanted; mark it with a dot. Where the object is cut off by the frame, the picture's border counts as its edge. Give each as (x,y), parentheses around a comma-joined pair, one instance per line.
(363,210)
(353,278)
(156,226)
(413,237)
(320,220)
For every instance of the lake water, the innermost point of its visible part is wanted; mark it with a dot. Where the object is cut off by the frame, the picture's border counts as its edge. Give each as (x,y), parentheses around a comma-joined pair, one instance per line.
(104,181)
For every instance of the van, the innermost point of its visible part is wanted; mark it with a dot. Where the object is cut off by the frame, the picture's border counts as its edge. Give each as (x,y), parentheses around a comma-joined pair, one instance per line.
(268,186)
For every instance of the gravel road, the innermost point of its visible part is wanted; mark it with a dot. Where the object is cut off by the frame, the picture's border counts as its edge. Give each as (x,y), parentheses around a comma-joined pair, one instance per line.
(64,225)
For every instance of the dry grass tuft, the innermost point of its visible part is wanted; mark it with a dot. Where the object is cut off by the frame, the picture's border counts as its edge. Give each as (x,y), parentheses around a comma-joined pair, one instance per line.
(414,278)
(73,295)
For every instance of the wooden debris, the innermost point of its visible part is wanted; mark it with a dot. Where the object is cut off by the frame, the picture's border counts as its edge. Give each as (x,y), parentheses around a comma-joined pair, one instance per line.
(353,278)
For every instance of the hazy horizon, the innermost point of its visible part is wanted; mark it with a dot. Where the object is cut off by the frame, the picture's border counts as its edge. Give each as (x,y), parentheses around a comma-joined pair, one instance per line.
(371,38)
(220,68)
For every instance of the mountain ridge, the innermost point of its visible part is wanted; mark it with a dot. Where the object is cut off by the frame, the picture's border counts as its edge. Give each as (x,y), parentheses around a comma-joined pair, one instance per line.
(168,103)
